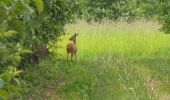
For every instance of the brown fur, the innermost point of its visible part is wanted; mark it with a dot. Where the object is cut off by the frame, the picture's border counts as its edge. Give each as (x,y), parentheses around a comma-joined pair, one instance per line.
(72,48)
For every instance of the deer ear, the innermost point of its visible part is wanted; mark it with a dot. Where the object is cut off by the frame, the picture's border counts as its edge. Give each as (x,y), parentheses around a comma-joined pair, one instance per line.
(77,34)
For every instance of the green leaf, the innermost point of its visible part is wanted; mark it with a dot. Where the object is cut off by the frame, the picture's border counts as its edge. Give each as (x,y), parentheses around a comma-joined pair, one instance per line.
(9,33)
(16,73)
(39,5)
(26,52)
(16,59)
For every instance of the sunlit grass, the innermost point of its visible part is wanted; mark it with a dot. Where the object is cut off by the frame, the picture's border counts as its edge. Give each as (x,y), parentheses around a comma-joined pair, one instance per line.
(128,40)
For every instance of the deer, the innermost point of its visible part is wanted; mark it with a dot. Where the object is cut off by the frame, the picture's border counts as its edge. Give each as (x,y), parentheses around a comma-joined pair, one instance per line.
(71,48)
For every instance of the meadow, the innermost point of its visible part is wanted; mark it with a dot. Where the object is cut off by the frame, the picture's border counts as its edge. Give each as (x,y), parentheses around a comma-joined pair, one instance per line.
(116,61)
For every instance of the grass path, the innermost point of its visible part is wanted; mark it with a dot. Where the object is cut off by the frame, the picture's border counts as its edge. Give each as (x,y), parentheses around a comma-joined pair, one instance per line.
(103,78)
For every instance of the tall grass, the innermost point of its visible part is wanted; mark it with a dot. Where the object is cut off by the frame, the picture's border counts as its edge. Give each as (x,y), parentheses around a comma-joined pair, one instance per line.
(120,38)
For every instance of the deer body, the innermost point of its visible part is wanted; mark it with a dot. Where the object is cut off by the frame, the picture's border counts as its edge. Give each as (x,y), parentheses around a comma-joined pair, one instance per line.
(72,48)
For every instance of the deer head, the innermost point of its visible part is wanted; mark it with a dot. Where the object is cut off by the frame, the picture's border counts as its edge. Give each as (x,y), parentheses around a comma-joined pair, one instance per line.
(73,38)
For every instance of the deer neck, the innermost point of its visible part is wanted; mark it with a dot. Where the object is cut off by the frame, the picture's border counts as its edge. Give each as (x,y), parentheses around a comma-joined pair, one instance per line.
(74,41)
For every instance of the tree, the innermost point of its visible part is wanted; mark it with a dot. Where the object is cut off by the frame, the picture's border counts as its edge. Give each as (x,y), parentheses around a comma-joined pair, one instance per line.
(25,28)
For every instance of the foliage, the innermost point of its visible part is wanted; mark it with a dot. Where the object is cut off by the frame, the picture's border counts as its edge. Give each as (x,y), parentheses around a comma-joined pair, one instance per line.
(10,47)
(25,28)
(98,10)
(9,83)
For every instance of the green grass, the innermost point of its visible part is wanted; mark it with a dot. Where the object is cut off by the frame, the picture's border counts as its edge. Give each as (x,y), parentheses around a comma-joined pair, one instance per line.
(116,61)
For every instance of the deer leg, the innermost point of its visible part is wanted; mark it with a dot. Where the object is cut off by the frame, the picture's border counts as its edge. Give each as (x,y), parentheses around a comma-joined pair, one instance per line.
(67,56)
(75,56)
(71,56)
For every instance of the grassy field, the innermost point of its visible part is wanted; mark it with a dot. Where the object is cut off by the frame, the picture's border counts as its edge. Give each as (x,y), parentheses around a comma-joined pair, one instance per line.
(116,61)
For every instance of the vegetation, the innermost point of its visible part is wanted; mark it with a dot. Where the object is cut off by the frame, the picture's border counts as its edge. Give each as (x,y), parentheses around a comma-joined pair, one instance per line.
(129,10)
(131,63)
(30,32)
